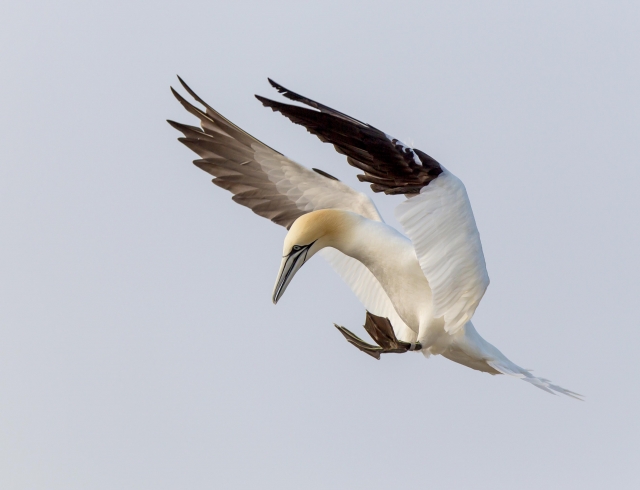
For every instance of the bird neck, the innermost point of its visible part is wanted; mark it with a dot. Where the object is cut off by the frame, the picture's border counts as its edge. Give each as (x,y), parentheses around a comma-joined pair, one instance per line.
(365,240)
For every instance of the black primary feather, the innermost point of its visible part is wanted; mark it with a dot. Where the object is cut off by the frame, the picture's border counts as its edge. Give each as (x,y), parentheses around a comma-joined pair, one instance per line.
(388,165)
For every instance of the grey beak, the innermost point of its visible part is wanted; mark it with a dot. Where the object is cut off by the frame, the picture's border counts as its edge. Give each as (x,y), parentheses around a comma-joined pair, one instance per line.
(290,265)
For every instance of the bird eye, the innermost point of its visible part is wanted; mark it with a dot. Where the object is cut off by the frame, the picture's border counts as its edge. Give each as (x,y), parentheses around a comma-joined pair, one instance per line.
(296,247)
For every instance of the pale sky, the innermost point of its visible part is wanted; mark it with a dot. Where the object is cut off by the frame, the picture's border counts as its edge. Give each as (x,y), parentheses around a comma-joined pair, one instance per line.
(139,348)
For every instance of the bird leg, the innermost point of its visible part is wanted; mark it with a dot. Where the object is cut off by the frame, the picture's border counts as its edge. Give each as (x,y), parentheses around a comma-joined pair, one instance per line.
(381,332)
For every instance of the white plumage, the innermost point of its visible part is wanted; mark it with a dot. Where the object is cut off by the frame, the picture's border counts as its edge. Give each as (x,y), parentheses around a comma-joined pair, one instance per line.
(423,288)
(440,223)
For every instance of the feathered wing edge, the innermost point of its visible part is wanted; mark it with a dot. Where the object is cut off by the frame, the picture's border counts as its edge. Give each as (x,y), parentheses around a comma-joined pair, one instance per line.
(389,165)
(258,176)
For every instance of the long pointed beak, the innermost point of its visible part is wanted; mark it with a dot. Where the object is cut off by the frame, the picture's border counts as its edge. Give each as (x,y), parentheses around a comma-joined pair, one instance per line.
(290,265)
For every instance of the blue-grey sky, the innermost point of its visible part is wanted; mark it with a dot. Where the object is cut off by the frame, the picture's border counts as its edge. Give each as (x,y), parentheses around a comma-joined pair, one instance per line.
(139,348)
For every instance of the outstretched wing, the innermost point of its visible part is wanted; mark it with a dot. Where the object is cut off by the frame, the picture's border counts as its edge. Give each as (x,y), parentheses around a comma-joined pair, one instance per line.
(437,217)
(388,164)
(279,189)
(259,177)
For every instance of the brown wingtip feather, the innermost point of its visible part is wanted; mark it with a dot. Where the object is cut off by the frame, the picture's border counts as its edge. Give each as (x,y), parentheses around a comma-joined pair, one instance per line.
(175,93)
(183,127)
(186,87)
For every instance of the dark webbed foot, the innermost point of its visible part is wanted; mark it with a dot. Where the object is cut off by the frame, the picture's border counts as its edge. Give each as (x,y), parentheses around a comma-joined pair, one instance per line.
(382,333)
(353,339)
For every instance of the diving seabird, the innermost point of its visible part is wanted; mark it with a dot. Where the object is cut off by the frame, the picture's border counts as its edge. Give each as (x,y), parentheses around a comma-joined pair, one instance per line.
(420,290)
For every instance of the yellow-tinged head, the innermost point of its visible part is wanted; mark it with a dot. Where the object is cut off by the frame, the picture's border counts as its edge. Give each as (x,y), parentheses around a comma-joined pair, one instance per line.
(309,234)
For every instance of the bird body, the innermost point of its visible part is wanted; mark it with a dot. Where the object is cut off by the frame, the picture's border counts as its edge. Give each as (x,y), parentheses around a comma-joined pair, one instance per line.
(392,260)
(421,289)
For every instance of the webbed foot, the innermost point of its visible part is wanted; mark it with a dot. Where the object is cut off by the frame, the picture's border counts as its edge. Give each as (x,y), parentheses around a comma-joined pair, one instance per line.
(381,332)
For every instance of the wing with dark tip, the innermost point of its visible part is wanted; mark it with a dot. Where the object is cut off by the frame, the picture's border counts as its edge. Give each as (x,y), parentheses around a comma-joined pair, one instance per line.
(437,217)
(279,189)
(388,164)
(258,176)
(312,103)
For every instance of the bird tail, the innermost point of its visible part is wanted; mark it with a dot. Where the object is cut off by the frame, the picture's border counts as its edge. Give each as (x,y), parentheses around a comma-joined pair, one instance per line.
(470,349)
(505,366)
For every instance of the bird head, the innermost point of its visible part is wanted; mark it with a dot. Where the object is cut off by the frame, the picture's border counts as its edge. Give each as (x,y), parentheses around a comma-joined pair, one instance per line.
(309,234)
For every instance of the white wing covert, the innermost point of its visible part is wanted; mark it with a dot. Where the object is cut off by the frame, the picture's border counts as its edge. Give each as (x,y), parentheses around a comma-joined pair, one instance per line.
(440,223)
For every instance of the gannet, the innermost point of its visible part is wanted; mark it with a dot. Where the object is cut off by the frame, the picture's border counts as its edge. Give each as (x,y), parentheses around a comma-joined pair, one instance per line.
(420,290)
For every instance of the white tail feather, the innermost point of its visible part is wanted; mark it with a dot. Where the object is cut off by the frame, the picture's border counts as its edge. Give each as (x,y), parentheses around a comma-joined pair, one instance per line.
(505,366)
(470,349)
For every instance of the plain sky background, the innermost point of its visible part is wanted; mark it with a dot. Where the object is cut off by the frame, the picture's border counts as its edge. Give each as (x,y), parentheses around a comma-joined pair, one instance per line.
(139,348)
